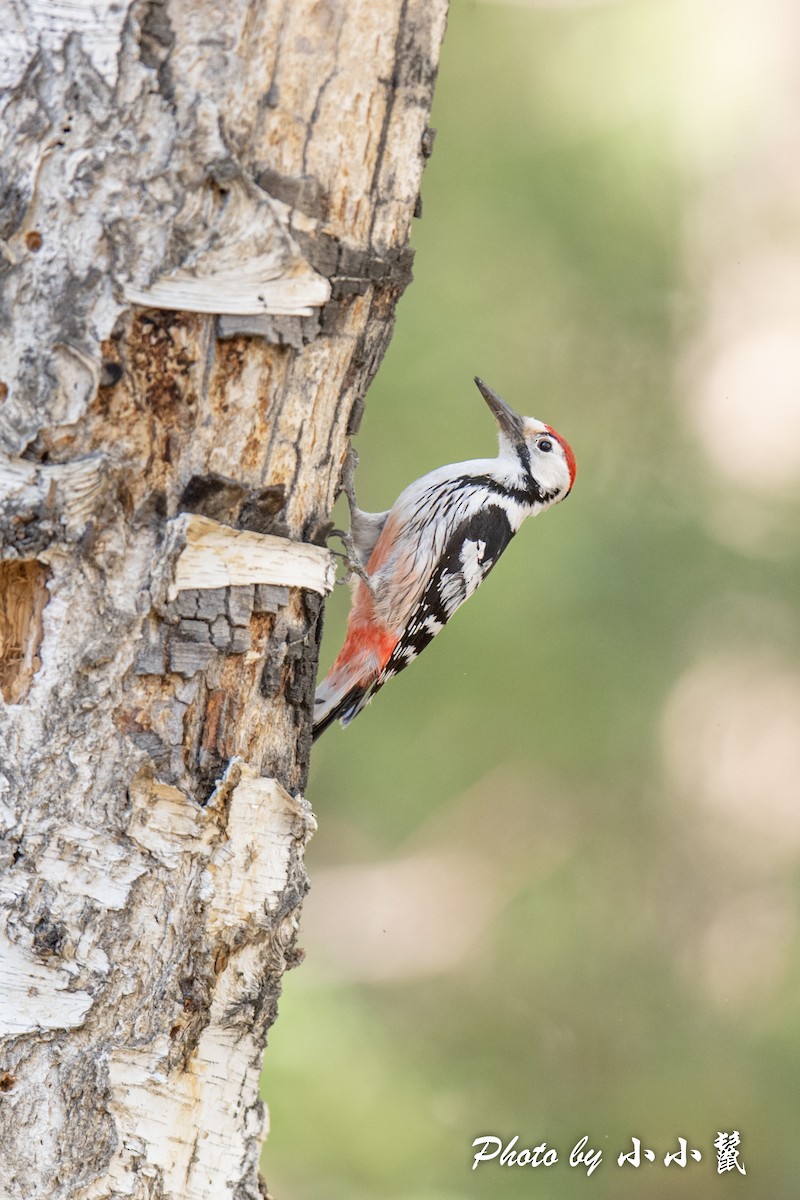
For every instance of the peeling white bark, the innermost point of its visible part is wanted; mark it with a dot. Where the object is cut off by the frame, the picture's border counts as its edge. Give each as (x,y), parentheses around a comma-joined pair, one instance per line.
(243,264)
(82,862)
(30,25)
(69,491)
(35,997)
(247,874)
(193,1132)
(217,556)
(186,1135)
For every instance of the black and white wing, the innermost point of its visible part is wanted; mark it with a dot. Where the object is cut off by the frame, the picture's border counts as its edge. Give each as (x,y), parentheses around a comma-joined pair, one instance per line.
(471,551)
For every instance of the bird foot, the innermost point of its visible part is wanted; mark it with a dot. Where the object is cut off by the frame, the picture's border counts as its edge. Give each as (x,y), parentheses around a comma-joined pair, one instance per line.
(350,560)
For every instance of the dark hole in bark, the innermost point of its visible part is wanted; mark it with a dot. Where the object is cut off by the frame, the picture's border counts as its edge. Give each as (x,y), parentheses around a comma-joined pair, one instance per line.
(213,496)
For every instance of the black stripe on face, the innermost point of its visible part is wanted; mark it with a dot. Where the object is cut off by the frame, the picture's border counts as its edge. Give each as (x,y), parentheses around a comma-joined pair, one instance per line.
(531,493)
(524,456)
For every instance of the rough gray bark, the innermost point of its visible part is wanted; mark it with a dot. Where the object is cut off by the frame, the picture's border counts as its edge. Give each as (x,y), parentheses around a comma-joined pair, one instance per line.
(204,223)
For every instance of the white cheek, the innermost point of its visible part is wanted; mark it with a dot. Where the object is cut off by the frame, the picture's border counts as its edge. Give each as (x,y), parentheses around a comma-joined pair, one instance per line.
(551,471)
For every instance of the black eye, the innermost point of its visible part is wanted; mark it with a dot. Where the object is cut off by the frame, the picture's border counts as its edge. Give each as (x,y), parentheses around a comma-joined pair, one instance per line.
(545,445)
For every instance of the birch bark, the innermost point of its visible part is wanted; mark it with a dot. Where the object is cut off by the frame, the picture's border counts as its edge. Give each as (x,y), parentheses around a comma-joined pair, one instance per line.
(204,223)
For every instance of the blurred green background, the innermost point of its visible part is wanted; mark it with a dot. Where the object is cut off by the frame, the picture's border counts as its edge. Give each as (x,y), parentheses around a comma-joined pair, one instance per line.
(554,889)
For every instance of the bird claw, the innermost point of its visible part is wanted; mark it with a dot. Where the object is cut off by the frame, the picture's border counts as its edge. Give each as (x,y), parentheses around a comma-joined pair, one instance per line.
(350,560)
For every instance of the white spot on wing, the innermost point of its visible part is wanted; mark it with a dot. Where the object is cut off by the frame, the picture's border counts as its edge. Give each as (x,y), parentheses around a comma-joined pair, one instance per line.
(472,568)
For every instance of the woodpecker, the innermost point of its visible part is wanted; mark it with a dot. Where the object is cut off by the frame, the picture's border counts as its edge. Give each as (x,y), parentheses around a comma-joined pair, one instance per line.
(420,560)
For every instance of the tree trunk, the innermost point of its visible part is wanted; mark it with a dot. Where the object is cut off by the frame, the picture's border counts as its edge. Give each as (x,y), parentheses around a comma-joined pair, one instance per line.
(205,219)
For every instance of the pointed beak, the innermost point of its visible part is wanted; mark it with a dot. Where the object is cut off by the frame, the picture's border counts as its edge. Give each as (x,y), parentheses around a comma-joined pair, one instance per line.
(510,422)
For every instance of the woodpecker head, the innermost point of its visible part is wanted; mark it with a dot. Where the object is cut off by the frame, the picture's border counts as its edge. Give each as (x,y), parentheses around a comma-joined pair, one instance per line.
(542,454)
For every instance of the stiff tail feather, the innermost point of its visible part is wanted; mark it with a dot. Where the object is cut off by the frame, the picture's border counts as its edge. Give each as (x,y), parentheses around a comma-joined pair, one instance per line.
(338,706)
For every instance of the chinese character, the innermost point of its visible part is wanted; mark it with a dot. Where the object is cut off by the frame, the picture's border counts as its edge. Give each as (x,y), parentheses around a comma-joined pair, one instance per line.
(634,1157)
(727,1154)
(679,1156)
